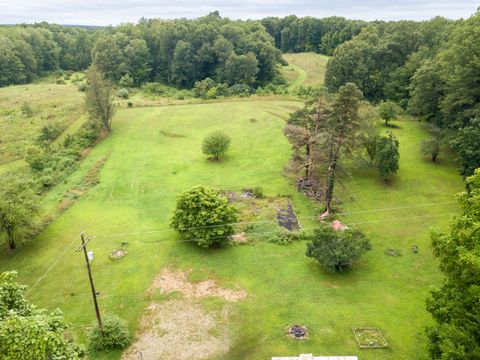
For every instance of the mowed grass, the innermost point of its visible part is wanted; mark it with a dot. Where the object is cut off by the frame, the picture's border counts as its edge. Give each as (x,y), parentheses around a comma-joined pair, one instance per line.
(147,167)
(51,103)
(306,69)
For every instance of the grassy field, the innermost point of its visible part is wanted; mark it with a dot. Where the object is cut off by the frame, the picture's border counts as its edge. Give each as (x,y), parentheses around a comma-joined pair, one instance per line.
(134,201)
(50,102)
(306,69)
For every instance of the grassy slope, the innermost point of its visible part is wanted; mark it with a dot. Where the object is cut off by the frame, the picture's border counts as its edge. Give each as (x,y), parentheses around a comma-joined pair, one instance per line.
(145,171)
(51,103)
(309,66)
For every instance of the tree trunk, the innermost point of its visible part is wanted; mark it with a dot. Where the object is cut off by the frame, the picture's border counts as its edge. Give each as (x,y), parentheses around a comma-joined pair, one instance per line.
(11,241)
(330,181)
(307,161)
(434,157)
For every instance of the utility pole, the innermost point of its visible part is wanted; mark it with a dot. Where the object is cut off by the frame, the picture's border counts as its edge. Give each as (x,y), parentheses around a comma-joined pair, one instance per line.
(92,286)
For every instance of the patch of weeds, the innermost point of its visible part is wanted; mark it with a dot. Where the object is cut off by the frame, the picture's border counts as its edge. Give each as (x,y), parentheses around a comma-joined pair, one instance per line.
(268,232)
(253,120)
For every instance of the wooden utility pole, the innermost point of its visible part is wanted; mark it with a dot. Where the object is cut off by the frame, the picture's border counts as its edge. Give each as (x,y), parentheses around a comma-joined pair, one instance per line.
(92,286)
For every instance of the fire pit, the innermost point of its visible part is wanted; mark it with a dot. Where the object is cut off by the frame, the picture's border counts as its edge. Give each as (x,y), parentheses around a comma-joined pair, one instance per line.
(118,254)
(298,332)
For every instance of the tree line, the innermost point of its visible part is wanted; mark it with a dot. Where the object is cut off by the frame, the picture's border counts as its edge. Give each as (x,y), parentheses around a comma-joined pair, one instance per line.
(30,51)
(309,34)
(429,68)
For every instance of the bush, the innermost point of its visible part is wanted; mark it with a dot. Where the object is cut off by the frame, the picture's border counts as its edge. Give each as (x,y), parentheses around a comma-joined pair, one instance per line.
(130,104)
(269,232)
(155,89)
(216,144)
(123,93)
(115,335)
(27,110)
(60,82)
(82,86)
(258,192)
(241,90)
(204,216)
(126,81)
(202,87)
(337,250)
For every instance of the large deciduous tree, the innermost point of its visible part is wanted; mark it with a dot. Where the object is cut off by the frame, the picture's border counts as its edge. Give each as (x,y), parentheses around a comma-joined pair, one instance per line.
(455,306)
(99,99)
(18,209)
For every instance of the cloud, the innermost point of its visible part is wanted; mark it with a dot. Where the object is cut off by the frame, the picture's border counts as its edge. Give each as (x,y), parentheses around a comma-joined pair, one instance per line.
(105,12)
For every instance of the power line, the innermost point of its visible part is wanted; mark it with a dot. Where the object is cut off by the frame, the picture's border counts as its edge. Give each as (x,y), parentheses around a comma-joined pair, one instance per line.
(268,232)
(273,221)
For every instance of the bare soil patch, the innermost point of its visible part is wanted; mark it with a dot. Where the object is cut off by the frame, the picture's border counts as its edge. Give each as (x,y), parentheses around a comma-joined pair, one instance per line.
(169,281)
(181,330)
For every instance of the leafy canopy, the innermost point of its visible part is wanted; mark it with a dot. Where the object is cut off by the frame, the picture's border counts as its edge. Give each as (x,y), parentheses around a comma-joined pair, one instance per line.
(204,216)
(216,144)
(337,250)
(28,333)
(387,156)
(454,306)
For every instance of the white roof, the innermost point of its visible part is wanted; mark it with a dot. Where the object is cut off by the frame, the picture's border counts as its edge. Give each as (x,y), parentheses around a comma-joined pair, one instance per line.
(311,357)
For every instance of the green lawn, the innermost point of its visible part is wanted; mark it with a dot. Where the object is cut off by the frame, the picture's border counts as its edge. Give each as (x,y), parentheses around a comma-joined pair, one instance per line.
(306,69)
(134,201)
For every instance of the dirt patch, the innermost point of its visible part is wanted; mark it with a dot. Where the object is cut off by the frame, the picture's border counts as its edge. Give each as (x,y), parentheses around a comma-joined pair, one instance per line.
(180,330)
(240,238)
(337,225)
(170,134)
(91,179)
(118,254)
(169,281)
(287,218)
(298,332)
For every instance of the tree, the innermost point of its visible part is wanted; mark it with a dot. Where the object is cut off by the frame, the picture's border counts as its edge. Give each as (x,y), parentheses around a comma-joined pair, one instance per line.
(388,156)
(339,132)
(467,144)
(369,136)
(216,144)
(337,250)
(454,306)
(29,333)
(434,144)
(204,216)
(387,111)
(100,95)
(18,208)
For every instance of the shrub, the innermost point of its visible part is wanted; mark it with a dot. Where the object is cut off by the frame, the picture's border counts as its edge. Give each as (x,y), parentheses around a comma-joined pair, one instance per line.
(216,144)
(126,81)
(27,110)
(204,216)
(258,192)
(49,133)
(82,86)
(130,104)
(241,90)
(123,93)
(60,82)
(154,89)
(115,335)
(202,87)
(337,250)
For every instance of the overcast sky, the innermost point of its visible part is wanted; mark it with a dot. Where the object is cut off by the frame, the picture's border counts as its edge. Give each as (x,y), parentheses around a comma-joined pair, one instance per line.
(106,12)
